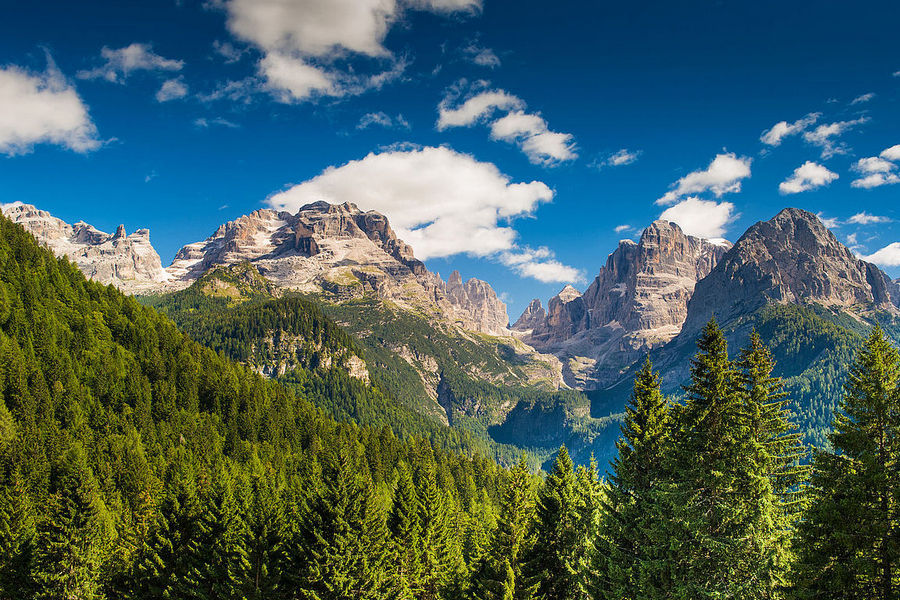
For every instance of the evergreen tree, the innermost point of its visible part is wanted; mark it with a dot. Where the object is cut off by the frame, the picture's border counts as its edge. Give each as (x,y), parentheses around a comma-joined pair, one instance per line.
(628,559)
(405,537)
(849,542)
(551,565)
(441,561)
(772,453)
(68,541)
(17,538)
(706,515)
(500,574)
(265,539)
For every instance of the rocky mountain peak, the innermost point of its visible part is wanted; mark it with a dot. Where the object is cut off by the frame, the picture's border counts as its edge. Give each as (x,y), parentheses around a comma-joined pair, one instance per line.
(342,252)
(790,259)
(127,261)
(532,315)
(638,301)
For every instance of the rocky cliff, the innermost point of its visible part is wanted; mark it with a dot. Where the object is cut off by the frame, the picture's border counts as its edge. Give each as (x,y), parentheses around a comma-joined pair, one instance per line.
(637,302)
(127,261)
(343,253)
(790,259)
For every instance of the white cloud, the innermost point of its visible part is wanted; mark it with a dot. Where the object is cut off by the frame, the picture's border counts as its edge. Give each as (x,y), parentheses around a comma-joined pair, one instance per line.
(42,108)
(783,129)
(204,123)
(123,62)
(539,264)
(829,222)
(875,180)
(873,164)
(474,109)
(483,57)
(382,119)
(892,153)
(532,135)
(877,170)
(807,176)
(824,136)
(889,256)
(302,41)
(863,98)
(439,201)
(722,176)
(701,218)
(621,228)
(620,158)
(865,218)
(172,89)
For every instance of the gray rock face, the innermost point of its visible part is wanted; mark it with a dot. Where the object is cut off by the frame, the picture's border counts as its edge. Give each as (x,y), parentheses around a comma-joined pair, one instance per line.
(790,259)
(127,261)
(344,253)
(532,316)
(477,304)
(637,302)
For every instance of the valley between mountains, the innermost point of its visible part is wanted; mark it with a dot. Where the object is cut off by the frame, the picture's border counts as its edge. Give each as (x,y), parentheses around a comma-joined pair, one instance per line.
(332,303)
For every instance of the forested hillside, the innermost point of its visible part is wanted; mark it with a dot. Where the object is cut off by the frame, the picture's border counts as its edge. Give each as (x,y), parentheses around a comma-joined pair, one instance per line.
(137,463)
(235,311)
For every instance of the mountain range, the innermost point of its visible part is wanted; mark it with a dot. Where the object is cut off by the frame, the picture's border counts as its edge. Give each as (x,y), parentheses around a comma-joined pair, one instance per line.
(446,348)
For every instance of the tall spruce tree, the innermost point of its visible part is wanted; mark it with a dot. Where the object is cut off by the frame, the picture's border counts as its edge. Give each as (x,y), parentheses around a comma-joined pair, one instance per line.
(551,565)
(849,541)
(405,537)
(68,540)
(707,510)
(772,455)
(627,557)
(500,573)
(17,538)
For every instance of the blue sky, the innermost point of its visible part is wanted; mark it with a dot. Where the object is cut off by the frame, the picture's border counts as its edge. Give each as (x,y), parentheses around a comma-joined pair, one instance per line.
(506,139)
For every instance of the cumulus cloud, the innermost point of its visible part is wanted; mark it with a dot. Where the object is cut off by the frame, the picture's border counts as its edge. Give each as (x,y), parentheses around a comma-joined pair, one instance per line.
(621,228)
(807,176)
(119,64)
(172,89)
(877,170)
(865,218)
(862,99)
(722,176)
(541,265)
(441,202)
(531,134)
(382,119)
(42,108)
(528,131)
(475,109)
(782,129)
(701,218)
(892,153)
(303,42)
(889,256)
(620,158)
(825,136)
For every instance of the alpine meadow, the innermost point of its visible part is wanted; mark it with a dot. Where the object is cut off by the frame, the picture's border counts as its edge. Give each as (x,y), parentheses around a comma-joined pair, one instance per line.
(663,361)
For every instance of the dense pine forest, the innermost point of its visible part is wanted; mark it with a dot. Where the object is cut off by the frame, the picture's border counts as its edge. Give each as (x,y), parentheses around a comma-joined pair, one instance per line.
(138,463)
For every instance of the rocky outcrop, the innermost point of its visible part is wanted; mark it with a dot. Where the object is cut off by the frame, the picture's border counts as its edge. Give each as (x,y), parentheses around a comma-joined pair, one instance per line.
(127,261)
(344,253)
(790,259)
(637,302)
(531,317)
(476,303)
